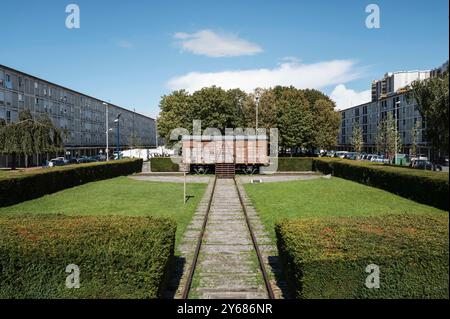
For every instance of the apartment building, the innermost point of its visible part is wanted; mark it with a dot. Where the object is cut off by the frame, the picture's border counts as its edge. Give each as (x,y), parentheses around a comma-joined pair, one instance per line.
(394,82)
(83,117)
(402,107)
(390,94)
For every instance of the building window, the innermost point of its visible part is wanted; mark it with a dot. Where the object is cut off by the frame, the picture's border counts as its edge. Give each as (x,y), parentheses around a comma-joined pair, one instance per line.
(2,98)
(8,117)
(8,81)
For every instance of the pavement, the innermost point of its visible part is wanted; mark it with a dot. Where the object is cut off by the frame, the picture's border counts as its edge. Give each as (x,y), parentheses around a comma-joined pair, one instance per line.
(177,178)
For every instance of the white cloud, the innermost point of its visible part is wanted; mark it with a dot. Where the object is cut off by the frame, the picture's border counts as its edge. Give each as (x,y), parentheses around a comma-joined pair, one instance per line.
(346,98)
(212,44)
(316,75)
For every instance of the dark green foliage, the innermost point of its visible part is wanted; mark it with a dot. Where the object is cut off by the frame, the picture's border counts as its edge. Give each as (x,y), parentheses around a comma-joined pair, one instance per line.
(304,118)
(163,164)
(30,136)
(432,100)
(425,187)
(36,183)
(118,257)
(327,257)
(295,164)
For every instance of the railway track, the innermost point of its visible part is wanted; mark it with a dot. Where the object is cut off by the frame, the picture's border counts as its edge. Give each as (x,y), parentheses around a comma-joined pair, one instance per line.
(223,198)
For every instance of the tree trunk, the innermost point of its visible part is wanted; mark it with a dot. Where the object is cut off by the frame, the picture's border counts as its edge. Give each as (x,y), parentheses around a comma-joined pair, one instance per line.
(13,163)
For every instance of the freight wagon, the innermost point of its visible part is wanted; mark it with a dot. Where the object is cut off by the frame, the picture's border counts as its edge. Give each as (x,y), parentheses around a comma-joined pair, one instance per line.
(225,155)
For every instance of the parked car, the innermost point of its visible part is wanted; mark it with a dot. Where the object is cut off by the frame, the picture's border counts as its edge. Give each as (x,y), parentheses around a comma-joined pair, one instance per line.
(426,165)
(82,160)
(379,159)
(340,154)
(352,156)
(59,161)
(72,161)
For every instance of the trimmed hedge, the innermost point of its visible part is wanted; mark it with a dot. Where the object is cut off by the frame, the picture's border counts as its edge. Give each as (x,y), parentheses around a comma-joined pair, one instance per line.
(426,187)
(327,257)
(35,183)
(118,257)
(295,164)
(163,164)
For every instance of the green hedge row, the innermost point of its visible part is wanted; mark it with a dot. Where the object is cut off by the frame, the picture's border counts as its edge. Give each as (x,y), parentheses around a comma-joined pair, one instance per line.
(295,164)
(118,257)
(163,164)
(327,257)
(427,187)
(36,183)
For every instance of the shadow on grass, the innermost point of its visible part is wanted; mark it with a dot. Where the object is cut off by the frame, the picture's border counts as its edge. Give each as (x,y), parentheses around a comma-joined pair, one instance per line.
(189,197)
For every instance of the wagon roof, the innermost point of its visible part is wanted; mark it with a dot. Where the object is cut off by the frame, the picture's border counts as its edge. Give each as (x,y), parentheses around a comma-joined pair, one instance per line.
(223,137)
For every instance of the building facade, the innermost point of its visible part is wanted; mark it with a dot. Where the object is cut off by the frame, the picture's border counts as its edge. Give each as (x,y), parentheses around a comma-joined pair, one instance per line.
(82,117)
(368,116)
(390,94)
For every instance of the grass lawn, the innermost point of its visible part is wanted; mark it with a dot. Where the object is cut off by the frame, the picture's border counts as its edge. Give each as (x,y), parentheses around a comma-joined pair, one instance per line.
(119,196)
(326,197)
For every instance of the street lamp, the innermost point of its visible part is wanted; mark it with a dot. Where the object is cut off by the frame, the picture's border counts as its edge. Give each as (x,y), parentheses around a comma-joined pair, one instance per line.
(107,131)
(257,96)
(118,134)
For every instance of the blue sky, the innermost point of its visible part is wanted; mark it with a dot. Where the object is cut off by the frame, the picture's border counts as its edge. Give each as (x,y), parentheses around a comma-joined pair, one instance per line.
(132,52)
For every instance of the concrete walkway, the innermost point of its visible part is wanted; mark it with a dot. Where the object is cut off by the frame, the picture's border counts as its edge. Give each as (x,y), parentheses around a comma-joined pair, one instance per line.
(173,179)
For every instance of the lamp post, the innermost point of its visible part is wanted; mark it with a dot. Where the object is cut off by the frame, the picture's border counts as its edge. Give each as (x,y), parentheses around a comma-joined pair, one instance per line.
(117,120)
(257,95)
(107,132)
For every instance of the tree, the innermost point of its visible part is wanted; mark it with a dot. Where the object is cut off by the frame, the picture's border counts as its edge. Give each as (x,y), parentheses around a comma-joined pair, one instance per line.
(380,138)
(176,111)
(295,120)
(432,100)
(325,124)
(2,134)
(216,107)
(357,138)
(388,141)
(29,136)
(305,118)
(414,139)
(267,109)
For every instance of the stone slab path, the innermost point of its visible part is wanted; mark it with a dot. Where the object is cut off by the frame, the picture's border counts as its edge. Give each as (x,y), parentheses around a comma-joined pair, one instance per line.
(228,265)
(266,246)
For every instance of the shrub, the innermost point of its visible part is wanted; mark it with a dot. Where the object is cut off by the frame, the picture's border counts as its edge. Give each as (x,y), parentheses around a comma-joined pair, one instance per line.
(327,257)
(163,164)
(426,187)
(118,257)
(295,164)
(35,183)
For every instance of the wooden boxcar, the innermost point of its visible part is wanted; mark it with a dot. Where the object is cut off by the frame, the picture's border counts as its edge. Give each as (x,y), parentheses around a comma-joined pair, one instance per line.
(247,153)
